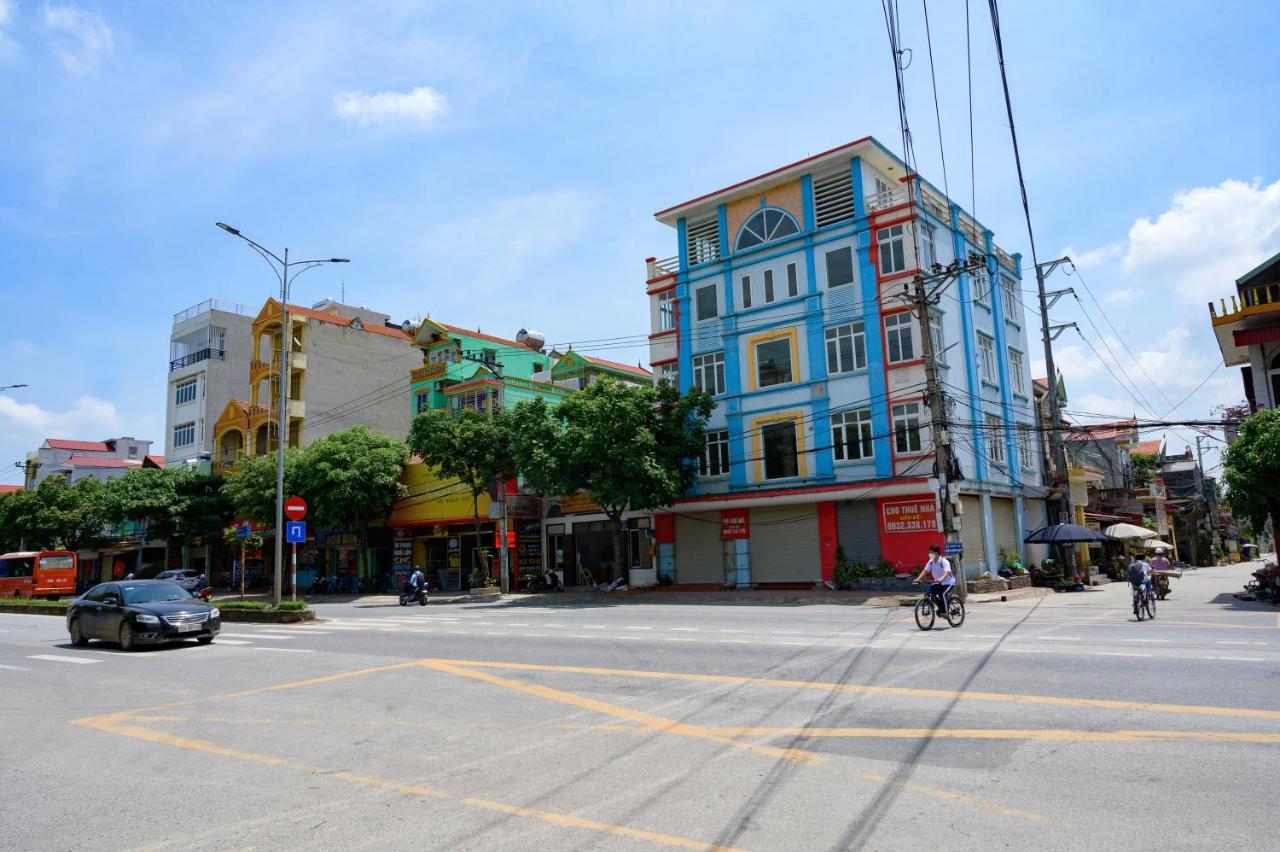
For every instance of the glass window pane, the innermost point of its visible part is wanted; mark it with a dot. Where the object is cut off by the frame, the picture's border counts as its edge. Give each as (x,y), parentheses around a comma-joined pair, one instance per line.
(746,291)
(707,307)
(779,441)
(773,362)
(839,267)
(768,285)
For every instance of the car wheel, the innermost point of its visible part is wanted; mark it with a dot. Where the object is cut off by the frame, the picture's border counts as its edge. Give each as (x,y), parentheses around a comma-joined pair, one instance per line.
(204,640)
(126,638)
(77,636)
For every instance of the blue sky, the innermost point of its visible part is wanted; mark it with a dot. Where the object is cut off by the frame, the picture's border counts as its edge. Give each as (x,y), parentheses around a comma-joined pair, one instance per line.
(498,165)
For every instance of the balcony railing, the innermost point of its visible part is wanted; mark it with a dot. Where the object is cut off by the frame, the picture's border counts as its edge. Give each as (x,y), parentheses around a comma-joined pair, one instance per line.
(886,199)
(210,305)
(655,268)
(1265,297)
(430,371)
(196,357)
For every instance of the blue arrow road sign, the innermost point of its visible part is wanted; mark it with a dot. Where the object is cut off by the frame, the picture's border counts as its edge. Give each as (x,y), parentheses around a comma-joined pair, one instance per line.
(243,531)
(295,532)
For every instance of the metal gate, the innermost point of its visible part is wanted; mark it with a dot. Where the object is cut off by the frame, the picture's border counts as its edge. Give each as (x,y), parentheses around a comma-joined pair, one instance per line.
(784,545)
(971,533)
(699,553)
(858,531)
(1005,526)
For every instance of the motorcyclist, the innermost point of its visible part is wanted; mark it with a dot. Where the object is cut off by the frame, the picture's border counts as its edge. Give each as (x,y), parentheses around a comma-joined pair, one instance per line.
(417,582)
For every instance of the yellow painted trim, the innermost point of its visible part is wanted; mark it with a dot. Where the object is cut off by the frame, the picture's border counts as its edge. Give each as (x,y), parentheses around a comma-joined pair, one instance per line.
(765,337)
(757,439)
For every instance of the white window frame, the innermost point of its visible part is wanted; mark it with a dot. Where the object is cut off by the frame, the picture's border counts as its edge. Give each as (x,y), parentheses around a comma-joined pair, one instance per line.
(769,295)
(856,334)
(472,400)
(1009,299)
(928,247)
(893,248)
(184,430)
(937,339)
(862,445)
(793,280)
(709,366)
(669,372)
(715,454)
(192,384)
(666,310)
(982,290)
(1017,383)
(1026,455)
(895,327)
(906,428)
(745,285)
(987,359)
(995,439)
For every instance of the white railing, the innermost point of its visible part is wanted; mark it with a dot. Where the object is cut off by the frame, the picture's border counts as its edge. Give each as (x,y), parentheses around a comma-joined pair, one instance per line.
(655,268)
(886,199)
(210,305)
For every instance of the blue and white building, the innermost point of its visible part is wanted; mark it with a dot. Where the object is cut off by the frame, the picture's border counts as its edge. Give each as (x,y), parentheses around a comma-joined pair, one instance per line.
(785,301)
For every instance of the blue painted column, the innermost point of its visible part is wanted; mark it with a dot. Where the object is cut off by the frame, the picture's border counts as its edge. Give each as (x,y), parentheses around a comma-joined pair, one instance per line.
(967,331)
(877,388)
(739,450)
(1002,363)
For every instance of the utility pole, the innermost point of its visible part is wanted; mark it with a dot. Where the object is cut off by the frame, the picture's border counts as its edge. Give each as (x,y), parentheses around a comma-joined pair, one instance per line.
(500,485)
(1057,451)
(919,294)
(1208,505)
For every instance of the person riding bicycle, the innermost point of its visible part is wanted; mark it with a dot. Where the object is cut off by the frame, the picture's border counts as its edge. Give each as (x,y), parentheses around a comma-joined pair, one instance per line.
(941,579)
(1139,575)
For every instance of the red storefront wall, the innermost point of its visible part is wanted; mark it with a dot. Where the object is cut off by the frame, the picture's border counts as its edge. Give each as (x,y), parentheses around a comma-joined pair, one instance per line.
(908,526)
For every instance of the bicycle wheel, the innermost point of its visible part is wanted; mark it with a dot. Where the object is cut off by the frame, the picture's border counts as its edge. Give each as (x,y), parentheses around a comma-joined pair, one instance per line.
(1150,606)
(924,614)
(955,613)
(1139,608)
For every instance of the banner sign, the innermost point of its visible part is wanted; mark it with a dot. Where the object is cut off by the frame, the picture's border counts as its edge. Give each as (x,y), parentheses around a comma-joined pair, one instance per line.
(914,515)
(735,524)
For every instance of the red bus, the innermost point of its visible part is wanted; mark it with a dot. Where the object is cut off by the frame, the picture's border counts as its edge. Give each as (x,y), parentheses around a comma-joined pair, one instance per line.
(37,574)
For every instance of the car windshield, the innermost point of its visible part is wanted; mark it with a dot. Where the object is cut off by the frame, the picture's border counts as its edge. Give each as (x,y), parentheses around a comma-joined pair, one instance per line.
(154,593)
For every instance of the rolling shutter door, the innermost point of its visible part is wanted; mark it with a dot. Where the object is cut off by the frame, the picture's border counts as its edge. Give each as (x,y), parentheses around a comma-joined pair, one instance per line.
(1005,526)
(971,531)
(784,545)
(699,553)
(858,531)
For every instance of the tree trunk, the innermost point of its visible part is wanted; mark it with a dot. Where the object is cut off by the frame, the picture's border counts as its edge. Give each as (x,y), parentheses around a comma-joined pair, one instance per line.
(618,566)
(475,517)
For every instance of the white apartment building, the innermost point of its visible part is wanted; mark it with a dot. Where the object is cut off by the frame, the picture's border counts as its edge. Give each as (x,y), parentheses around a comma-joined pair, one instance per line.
(210,348)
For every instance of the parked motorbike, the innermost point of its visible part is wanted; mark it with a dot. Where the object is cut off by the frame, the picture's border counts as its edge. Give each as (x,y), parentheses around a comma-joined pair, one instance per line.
(412,595)
(205,593)
(548,582)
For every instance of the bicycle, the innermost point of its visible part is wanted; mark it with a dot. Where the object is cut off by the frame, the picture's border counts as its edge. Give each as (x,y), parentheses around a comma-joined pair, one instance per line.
(926,611)
(1144,602)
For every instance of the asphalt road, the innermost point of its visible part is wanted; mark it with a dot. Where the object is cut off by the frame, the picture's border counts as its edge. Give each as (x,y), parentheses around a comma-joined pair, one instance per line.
(1057,723)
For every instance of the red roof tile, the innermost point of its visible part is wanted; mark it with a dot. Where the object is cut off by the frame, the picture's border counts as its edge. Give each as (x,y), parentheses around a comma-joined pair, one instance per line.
(614,365)
(78,446)
(1101,431)
(1147,448)
(158,461)
(460,330)
(334,319)
(10,489)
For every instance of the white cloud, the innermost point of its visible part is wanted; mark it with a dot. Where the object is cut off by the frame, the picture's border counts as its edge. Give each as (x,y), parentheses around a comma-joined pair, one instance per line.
(8,47)
(1123,297)
(25,424)
(533,227)
(421,106)
(81,38)
(1094,257)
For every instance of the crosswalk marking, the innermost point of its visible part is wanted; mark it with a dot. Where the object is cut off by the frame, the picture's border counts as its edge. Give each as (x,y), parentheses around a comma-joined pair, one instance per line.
(55,658)
(291,650)
(14,668)
(222,641)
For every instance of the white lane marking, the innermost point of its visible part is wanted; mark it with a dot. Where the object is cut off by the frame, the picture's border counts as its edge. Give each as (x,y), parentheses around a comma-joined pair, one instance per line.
(14,668)
(785,632)
(1060,639)
(222,641)
(274,636)
(292,650)
(518,624)
(1029,651)
(734,641)
(802,644)
(687,629)
(1225,642)
(733,631)
(57,659)
(637,628)
(255,636)
(1238,659)
(1148,640)
(1118,654)
(495,633)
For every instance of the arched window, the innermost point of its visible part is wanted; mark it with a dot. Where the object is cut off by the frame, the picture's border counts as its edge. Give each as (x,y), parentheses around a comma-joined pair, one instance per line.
(766,225)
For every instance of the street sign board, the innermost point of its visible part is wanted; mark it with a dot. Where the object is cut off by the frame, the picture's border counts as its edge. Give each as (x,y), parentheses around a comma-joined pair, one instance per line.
(243,531)
(954,548)
(295,508)
(295,532)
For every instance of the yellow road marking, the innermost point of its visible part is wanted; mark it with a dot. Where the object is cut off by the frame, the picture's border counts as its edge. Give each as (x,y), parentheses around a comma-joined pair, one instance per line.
(954,797)
(913,692)
(649,721)
(116,723)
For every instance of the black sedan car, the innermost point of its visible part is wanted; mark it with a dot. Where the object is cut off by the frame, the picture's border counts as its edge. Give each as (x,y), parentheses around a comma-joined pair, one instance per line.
(136,612)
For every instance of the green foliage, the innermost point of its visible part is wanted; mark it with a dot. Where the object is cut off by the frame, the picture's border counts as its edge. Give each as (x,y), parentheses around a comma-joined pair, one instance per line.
(55,515)
(250,486)
(1143,467)
(481,578)
(351,478)
(242,605)
(884,570)
(1251,469)
(175,503)
(41,602)
(291,606)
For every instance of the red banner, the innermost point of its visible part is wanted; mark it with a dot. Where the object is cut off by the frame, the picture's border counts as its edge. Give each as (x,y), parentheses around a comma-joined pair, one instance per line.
(735,524)
(915,515)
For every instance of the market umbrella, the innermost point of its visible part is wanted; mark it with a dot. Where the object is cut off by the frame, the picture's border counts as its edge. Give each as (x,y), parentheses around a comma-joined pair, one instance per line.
(1123,531)
(1152,544)
(1061,534)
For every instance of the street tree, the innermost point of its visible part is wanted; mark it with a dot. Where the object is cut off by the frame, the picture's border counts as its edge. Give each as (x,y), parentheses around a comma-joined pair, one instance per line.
(352,478)
(175,504)
(250,486)
(57,514)
(1251,468)
(627,446)
(470,446)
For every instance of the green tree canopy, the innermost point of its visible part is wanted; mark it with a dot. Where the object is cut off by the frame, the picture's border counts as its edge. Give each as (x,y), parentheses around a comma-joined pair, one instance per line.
(55,515)
(351,478)
(250,486)
(1251,468)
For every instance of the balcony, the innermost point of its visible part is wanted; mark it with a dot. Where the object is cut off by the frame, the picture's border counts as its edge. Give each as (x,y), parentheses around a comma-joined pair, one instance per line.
(1251,318)
(430,371)
(196,357)
(211,305)
(886,199)
(655,269)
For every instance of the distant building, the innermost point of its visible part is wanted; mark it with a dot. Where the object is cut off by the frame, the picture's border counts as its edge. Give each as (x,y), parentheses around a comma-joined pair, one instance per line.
(347,366)
(210,346)
(75,460)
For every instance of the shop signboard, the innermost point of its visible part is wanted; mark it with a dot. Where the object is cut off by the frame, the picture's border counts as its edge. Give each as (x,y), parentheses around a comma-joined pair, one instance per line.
(529,543)
(735,524)
(453,571)
(915,515)
(402,550)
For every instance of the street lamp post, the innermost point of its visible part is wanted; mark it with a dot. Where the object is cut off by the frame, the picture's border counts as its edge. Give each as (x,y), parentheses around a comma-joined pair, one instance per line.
(285,272)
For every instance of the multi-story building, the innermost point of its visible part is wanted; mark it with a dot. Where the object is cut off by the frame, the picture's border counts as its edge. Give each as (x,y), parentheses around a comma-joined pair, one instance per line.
(1248,332)
(347,365)
(465,369)
(785,301)
(75,460)
(210,347)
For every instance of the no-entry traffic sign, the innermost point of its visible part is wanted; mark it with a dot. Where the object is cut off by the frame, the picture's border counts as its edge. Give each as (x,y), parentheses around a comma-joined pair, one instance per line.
(295,508)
